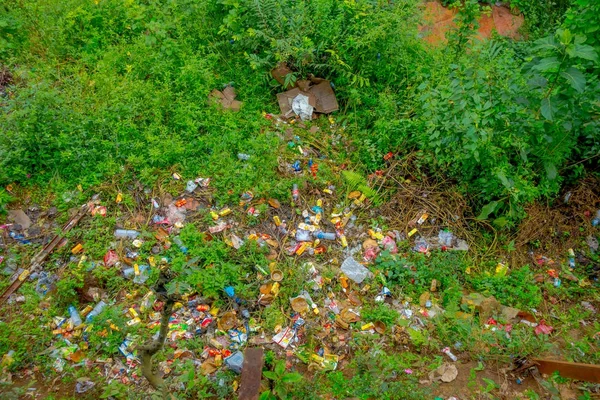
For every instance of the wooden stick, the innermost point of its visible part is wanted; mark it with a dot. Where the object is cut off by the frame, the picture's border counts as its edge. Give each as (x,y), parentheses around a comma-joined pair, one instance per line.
(38,259)
(578,371)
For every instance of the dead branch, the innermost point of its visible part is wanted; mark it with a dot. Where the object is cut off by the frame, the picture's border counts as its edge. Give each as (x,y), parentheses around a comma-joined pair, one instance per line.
(148,350)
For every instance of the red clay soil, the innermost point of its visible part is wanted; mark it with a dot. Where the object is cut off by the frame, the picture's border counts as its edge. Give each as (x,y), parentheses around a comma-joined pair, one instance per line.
(439,20)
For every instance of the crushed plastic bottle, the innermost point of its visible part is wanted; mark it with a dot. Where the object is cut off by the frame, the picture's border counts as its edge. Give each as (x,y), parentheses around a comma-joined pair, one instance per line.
(302,235)
(140,276)
(571,258)
(325,235)
(445,238)
(446,350)
(19,238)
(96,311)
(126,234)
(243,156)
(354,270)
(45,283)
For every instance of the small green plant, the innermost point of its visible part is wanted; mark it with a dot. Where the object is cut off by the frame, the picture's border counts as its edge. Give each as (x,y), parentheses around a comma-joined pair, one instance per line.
(115,389)
(379,312)
(490,386)
(281,382)
(517,288)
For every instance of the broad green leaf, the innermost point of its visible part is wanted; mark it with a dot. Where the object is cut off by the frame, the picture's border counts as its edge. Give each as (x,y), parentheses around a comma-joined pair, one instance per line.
(547,63)
(548,109)
(291,378)
(575,78)
(507,184)
(523,154)
(582,51)
(537,81)
(551,171)
(565,36)
(267,396)
(280,368)
(546,43)
(500,222)
(487,210)
(270,375)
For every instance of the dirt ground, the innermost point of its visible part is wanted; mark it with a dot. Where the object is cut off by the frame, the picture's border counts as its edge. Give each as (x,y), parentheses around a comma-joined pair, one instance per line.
(439,20)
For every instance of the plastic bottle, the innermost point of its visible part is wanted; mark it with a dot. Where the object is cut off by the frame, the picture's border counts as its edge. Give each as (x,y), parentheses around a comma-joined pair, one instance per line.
(126,234)
(325,235)
(19,238)
(302,235)
(571,258)
(44,283)
(295,192)
(179,243)
(75,316)
(139,278)
(97,310)
(596,220)
(446,350)
(243,156)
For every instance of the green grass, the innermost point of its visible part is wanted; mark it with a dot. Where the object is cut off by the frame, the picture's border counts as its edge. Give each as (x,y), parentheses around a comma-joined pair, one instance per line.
(111,96)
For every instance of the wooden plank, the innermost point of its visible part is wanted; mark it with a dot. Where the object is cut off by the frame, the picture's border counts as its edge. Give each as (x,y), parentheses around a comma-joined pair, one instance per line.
(251,373)
(578,371)
(38,259)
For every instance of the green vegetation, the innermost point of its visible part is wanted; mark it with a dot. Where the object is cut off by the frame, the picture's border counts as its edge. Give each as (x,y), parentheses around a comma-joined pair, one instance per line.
(111,96)
(107,85)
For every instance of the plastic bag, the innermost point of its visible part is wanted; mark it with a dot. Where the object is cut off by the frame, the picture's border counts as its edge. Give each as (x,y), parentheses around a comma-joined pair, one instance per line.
(354,270)
(302,108)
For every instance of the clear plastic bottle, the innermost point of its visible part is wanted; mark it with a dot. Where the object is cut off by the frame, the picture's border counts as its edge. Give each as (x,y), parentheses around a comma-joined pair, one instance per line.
(243,156)
(75,318)
(325,235)
(126,234)
(97,310)
(571,258)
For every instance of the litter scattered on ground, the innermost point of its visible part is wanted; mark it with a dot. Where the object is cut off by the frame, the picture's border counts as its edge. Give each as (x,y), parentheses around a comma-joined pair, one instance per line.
(334,249)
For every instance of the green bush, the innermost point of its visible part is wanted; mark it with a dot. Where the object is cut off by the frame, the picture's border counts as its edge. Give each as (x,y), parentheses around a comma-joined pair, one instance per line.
(516,288)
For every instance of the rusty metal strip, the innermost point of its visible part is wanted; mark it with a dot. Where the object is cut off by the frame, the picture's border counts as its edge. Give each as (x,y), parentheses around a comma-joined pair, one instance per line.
(38,259)
(578,371)
(251,373)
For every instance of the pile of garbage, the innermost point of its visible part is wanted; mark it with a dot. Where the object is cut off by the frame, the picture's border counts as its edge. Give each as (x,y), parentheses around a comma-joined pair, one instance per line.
(313,228)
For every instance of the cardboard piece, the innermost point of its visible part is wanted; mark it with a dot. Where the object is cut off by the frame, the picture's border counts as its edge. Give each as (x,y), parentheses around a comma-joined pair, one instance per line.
(226,98)
(321,97)
(326,101)
(19,217)
(279,73)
